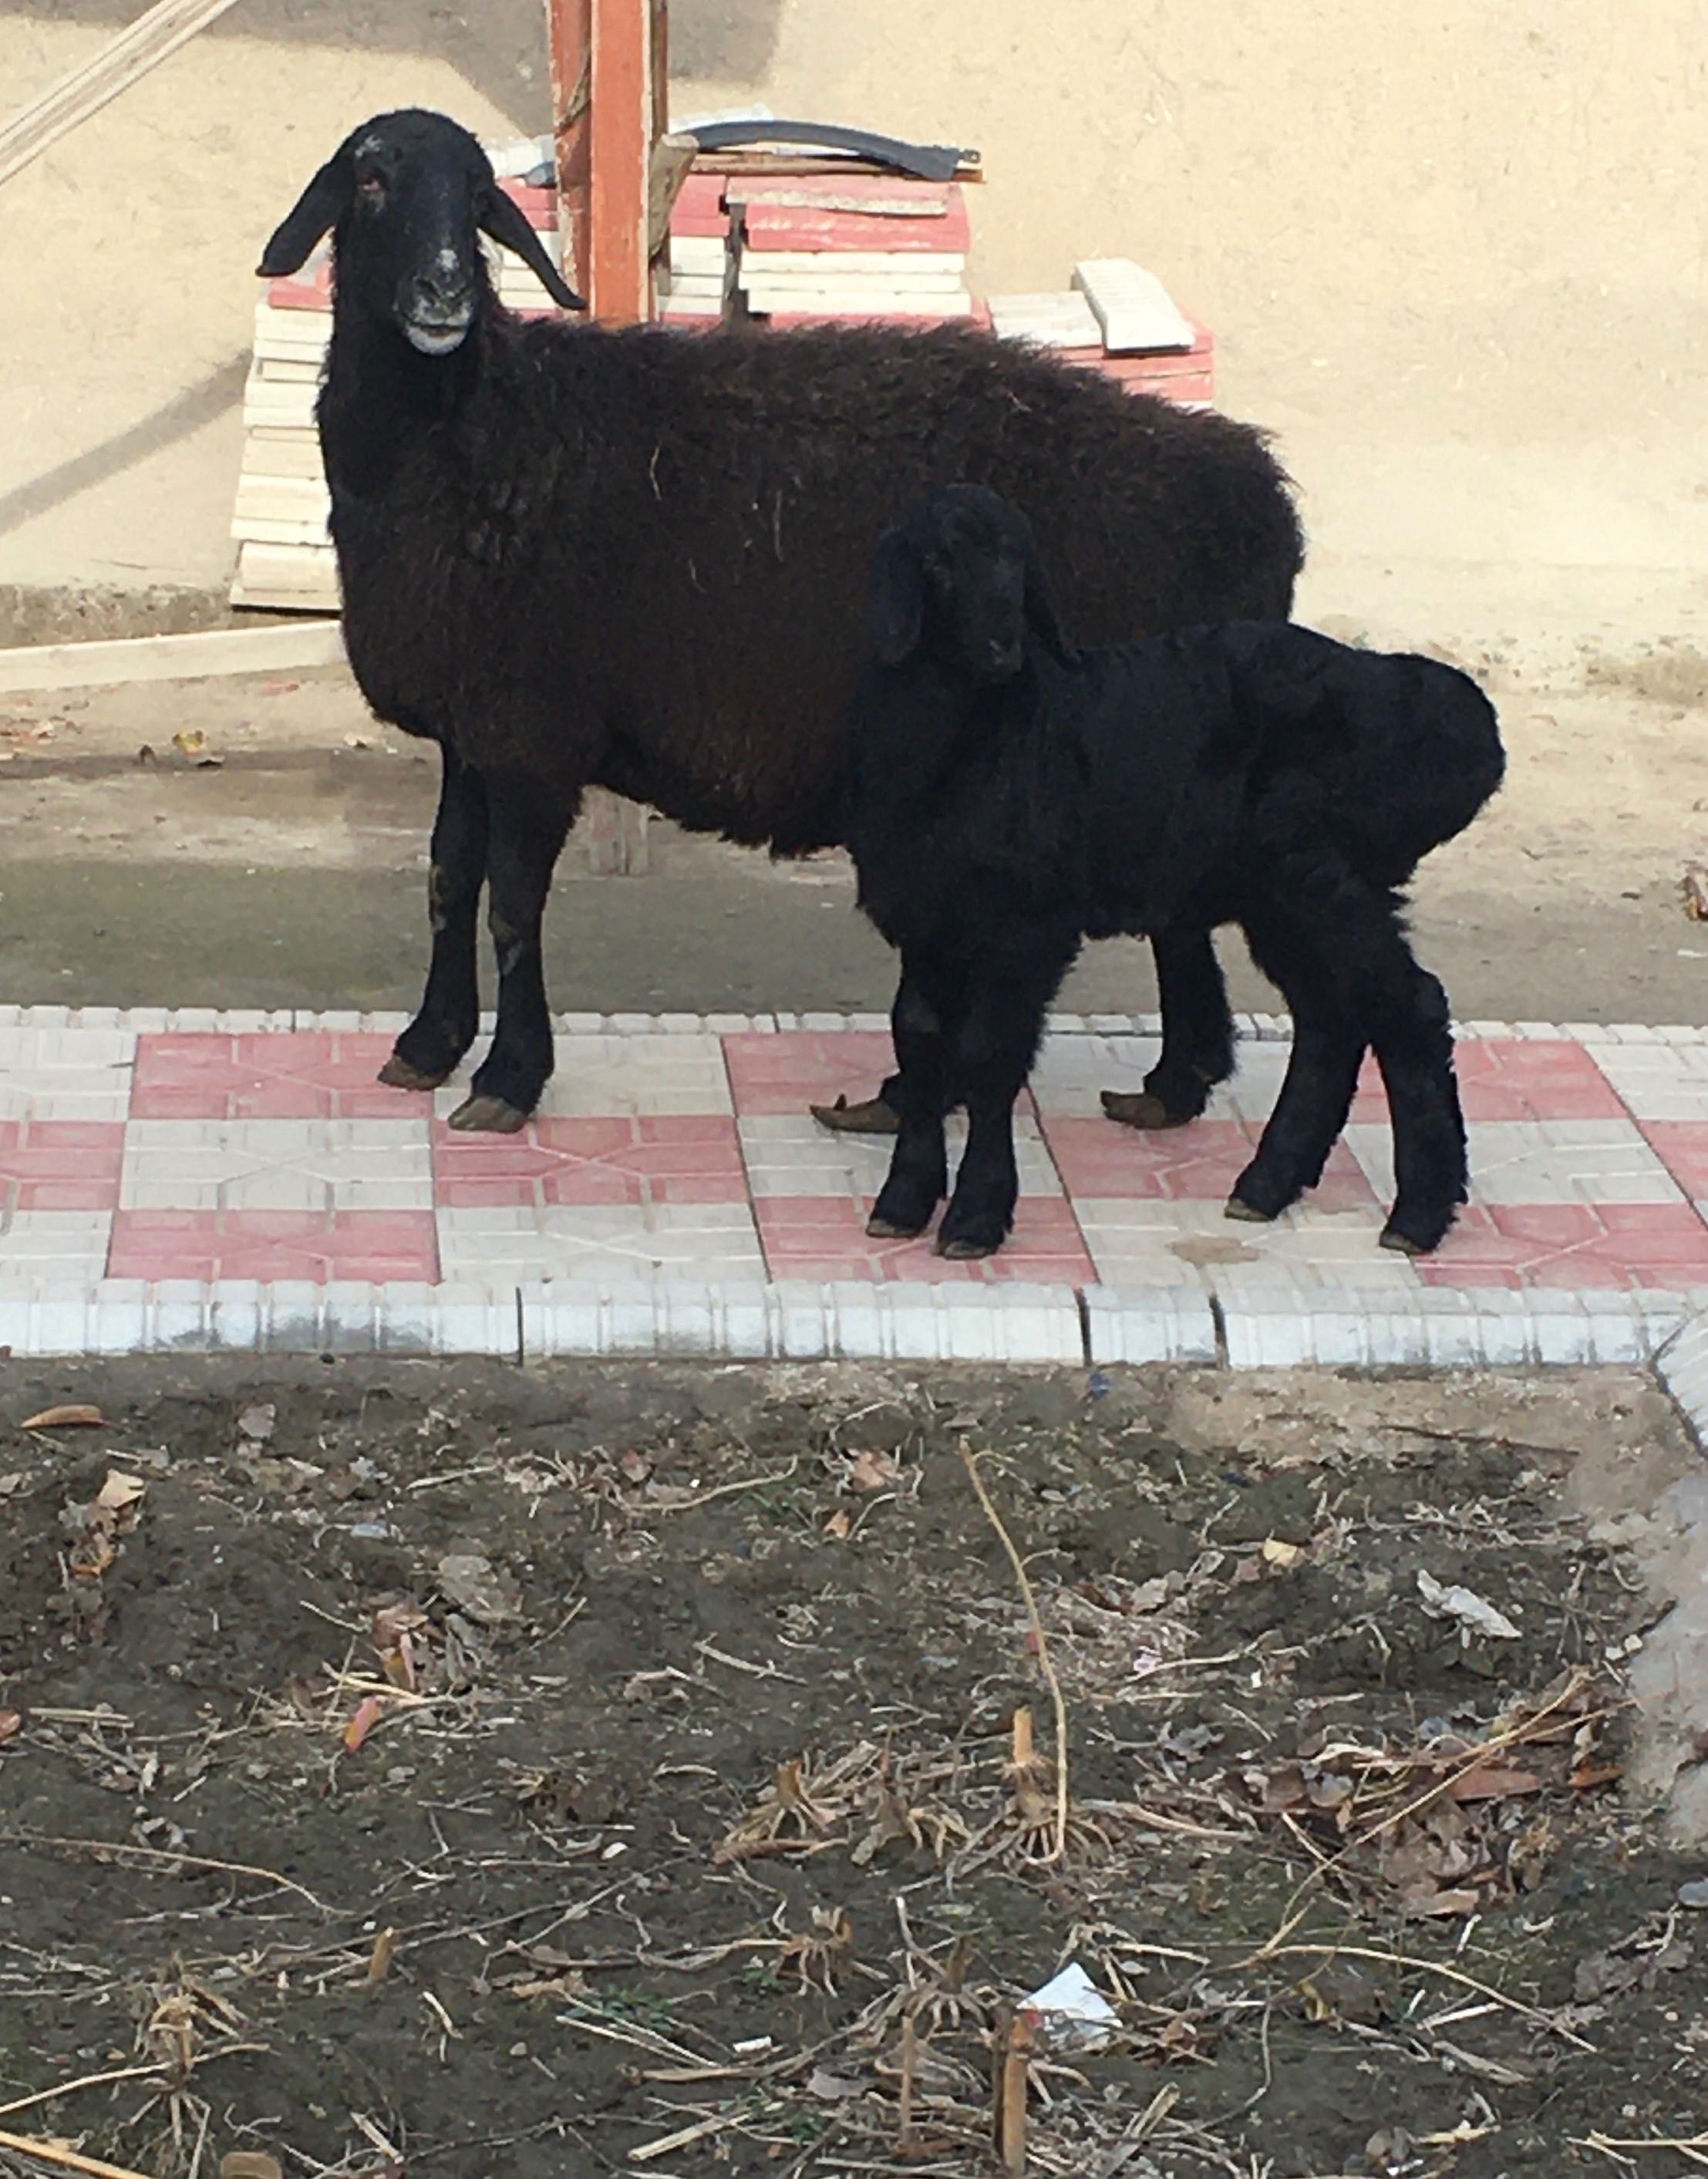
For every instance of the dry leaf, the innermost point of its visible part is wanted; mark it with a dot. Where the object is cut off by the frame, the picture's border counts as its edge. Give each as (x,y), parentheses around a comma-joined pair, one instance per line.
(840,1525)
(635,1466)
(190,741)
(471,1582)
(250,2164)
(1275,1553)
(872,1471)
(68,1417)
(1487,1784)
(120,1491)
(380,1959)
(257,1424)
(11,1725)
(368,1712)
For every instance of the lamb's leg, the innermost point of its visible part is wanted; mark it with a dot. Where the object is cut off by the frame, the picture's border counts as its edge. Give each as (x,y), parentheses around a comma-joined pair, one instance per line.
(1300,956)
(430,1048)
(921,1022)
(1197,1036)
(525,840)
(991,1059)
(1414,1043)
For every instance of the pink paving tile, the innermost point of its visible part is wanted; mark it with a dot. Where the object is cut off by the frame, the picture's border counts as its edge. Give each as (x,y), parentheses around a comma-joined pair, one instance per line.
(676,1158)
(1199,1163)
(316,1074)
(787,1072)
(824,1236)
(60,1164)
(1573,1244)
(797,1068)
(1514,1077)
(1682,1146)
(376,1246)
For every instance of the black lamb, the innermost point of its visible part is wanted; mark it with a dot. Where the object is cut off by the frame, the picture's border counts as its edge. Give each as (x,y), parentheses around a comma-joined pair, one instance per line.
(1011,795)
(574,555)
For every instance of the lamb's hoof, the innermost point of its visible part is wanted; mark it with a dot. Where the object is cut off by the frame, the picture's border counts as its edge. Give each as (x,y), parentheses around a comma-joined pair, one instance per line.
(1138,1108)
(1247,1214)
(397,1073)
(488,1116)
(882,1228)
(872,1117)
(966,1249)
(1422,1238)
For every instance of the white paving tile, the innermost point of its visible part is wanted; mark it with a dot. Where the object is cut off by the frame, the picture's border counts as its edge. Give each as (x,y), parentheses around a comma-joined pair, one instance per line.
(1657,1081)
(789,1154)
(599,1241)
(55,1243)
(59,1074)
(622,1076)
(277,1165)
(1533,1161)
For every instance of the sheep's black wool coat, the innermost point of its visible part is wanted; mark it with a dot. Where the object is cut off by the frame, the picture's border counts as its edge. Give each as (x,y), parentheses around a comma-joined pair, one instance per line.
(1177,781)
(637,558)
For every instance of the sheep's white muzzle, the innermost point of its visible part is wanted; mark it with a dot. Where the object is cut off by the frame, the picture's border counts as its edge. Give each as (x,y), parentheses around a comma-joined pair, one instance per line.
(436,339)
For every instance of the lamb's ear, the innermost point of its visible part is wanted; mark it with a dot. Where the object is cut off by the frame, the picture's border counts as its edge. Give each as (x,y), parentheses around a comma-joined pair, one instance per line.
(499,216)
(896,599)
(1046,622)
(315,212)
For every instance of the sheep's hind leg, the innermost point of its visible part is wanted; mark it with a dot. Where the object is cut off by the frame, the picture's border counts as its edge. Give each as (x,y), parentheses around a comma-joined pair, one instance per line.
(449,1016)
(1414,1049)
(921,1022)
(1197,1036)
(522,853)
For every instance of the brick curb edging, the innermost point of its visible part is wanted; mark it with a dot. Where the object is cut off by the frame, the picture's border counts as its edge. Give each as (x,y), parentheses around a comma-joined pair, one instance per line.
(1444,1327)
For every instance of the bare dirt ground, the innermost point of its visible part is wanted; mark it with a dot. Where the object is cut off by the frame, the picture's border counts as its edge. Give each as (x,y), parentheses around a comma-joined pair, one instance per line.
(281,862)
(407,1770)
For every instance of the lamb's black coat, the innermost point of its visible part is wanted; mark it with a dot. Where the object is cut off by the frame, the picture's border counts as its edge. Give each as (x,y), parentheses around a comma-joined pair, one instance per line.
(1010,795)
(634,558)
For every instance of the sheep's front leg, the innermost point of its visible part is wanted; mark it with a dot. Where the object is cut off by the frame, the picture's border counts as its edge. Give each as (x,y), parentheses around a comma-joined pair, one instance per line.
(992,1056)
(921,1023)
(524,841)
(1197,1036)
(443,1030)
(1305,954)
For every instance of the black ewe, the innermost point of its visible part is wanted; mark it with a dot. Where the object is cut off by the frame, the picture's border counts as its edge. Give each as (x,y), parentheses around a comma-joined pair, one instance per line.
(577,556)
(1012,796)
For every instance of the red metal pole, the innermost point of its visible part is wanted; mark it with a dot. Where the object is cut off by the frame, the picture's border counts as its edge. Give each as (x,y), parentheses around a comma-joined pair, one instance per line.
(608,60)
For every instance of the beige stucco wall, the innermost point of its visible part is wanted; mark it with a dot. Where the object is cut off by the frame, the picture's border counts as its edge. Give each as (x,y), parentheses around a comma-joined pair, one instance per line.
(1456,253)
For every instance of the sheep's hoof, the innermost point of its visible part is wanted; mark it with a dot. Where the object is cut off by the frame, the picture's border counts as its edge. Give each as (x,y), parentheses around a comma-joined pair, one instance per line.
(1413,1245)
(397,1073)
(966,1251)
(888,1229)
(488,1116)
(872,1117)
(1246,1213)
(1138,1108)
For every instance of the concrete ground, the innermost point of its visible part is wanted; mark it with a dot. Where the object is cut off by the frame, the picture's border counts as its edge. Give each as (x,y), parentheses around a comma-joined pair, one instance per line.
(290,872)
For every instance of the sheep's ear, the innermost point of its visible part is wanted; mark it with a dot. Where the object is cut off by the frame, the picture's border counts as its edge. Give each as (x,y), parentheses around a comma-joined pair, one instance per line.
(1288,674)
(315,212)
(896,601)
(500,216)
(1041,616)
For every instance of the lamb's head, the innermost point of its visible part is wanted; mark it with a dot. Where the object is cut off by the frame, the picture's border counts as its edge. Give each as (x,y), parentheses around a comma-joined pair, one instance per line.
(406,197)
(959,576)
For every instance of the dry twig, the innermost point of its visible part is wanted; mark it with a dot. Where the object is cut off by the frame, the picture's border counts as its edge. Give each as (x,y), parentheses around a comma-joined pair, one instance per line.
(1059,1845)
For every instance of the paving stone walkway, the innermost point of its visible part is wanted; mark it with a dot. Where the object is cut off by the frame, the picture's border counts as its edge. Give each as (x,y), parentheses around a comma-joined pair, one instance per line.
(198,1178)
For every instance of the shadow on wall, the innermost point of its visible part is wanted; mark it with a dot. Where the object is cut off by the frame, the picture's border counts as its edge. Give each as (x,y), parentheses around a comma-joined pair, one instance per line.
(499,46)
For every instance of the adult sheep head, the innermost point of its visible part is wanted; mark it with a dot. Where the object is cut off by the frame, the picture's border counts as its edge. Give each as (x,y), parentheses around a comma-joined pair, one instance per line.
(405,197)
(961,572)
